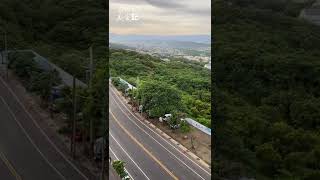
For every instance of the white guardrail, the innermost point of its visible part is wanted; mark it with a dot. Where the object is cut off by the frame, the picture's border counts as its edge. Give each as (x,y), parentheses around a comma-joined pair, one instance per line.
(199,126)
(189,120)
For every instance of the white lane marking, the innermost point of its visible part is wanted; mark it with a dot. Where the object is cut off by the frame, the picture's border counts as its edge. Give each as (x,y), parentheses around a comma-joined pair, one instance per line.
(32,142)
(129,156)
(155,133)
(164,147)
(131,177)
(45,135)
(10,166)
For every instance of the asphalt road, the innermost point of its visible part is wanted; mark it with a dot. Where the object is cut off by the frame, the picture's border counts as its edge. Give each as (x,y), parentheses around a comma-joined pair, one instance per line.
(5,172)
(30,152)
(146,153)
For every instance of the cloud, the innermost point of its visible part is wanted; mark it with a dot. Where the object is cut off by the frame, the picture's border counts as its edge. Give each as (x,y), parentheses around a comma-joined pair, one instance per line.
(135,2)
(162,17)
(166,3)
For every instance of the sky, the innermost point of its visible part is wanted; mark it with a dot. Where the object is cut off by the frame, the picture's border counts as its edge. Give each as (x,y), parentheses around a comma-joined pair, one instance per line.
(160,17)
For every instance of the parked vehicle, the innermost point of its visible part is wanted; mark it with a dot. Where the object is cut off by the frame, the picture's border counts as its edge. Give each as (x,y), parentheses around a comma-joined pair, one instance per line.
(166,117)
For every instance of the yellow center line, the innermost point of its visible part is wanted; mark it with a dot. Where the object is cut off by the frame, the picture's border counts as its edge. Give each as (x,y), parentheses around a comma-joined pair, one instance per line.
(10,167)
(148,152)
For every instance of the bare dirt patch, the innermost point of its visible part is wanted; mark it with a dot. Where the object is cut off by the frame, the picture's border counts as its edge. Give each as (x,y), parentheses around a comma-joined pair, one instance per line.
(201,141)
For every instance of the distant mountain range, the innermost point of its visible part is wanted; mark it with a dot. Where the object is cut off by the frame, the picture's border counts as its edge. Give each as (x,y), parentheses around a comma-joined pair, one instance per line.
(119,46)
(151,41)
(205,39)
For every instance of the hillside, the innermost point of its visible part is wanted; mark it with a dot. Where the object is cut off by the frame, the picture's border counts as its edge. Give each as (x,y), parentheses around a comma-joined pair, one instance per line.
(59,30)
(267,71)
(190,80)
(287,7)
(62,32)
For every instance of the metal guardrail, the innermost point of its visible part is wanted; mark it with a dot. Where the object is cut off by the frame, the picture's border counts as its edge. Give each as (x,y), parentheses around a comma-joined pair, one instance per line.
(199,126)
(66,78)
(190,121)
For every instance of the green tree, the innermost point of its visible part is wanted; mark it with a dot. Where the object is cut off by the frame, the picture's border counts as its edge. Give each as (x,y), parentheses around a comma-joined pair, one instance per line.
(116,81)
(42,83)
(23,65)
(119,167)
(158,98)
(270,160)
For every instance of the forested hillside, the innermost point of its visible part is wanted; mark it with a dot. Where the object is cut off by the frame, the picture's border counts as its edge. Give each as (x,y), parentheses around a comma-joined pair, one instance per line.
(267,72)
(287,7)
(60,30)
(190,82)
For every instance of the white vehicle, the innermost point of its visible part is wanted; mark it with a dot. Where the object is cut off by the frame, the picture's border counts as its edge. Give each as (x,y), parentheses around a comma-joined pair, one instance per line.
(166,117)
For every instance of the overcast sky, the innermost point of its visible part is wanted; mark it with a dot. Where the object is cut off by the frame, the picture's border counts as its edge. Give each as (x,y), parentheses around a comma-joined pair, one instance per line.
(160,17)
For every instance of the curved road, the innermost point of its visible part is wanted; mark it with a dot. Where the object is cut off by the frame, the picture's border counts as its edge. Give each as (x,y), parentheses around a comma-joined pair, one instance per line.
(26,151)
(146,153)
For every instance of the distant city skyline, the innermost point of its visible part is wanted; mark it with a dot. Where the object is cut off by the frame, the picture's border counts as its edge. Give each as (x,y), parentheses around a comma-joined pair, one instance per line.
(160,17)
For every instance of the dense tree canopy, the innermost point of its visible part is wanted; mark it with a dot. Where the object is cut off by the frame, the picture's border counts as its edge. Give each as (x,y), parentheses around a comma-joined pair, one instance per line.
(61,31)
(158,98)
(267,71)
(166,86)
(34,78)
(287,7)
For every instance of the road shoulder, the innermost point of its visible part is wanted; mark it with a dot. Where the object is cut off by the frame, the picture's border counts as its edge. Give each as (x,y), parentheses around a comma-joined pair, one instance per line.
(160,132)
(46,124)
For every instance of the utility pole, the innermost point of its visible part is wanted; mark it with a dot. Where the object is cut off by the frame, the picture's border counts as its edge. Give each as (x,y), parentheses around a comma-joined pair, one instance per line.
(192,145)
(104,118)
(90,87)
(51,94)
(4,41)
(104,122)
(6,53)
(91,66)
(73,142)
(5,44)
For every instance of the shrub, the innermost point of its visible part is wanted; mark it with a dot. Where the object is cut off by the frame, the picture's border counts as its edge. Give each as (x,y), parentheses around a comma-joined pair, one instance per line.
(119,167)
(115,81)
(185,127)
(123,87)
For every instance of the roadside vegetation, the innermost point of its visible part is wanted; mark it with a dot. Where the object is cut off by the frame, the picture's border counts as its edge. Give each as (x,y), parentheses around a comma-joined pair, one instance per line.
(165,87)
(62,32)
(59,30)
(268,103)
(156,102)
(34,78)
(119,166)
